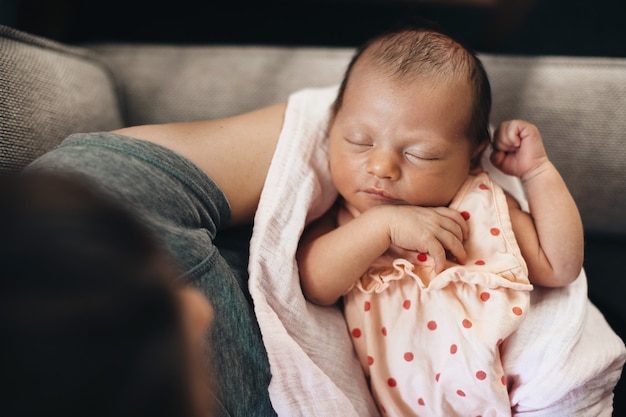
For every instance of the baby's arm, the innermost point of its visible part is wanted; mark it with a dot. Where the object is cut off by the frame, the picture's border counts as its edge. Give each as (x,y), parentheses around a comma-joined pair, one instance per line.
(551,237)
(331,258)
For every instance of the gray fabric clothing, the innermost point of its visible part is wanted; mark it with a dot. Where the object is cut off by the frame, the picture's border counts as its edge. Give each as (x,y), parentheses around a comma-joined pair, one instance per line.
(185,209)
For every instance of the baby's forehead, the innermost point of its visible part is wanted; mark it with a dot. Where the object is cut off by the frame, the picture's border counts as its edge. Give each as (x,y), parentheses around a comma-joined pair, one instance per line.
(407,102)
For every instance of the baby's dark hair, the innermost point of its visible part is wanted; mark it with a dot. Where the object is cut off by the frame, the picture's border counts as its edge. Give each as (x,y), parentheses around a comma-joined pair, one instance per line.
(425,51)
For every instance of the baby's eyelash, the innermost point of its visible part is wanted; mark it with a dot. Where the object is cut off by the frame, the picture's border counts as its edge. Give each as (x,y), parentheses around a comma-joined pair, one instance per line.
(358,142)
(423,158)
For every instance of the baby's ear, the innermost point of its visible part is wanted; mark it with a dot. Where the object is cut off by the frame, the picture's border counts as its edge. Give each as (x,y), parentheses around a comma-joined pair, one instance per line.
(476,168)
(477,156)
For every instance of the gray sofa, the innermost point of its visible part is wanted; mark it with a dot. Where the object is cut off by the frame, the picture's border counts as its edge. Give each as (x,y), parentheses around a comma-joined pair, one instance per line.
(49,90)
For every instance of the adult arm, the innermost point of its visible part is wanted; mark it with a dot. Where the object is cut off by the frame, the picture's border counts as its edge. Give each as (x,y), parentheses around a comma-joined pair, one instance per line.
(235,152)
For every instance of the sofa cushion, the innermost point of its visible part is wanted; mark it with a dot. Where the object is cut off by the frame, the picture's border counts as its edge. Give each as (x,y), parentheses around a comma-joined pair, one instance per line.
(174,83)
(48,91)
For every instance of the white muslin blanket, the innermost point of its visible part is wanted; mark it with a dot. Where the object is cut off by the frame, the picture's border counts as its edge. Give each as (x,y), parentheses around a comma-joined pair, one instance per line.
(565,359)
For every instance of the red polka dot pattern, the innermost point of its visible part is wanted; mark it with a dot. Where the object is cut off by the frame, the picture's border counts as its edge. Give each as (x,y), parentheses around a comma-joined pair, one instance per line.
(452,354)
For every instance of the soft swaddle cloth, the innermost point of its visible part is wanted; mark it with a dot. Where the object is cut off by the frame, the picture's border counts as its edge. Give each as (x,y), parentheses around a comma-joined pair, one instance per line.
(315,372)
(430,342)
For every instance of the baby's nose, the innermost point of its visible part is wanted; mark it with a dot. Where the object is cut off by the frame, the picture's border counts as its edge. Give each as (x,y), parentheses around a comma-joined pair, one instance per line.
(384,165)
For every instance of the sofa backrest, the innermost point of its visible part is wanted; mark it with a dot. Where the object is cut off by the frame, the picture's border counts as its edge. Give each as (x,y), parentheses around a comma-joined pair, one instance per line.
(577,103)
(173,83)
(48,91)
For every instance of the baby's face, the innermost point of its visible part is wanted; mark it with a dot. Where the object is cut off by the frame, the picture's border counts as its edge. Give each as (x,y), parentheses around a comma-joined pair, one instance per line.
(400,142)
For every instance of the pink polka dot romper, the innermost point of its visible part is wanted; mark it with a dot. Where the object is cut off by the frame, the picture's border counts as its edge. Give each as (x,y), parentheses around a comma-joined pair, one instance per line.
(429,343)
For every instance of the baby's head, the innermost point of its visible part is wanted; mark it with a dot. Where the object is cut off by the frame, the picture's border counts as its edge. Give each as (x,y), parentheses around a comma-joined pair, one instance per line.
(410,120)
(413,54)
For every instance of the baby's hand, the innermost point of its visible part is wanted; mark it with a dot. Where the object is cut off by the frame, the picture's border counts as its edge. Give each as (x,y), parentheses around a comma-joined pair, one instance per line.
(432,230)
(518,149)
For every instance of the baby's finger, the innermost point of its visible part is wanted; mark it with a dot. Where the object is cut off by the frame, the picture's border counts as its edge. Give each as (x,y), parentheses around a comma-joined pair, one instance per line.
(455,247)
(438,253)
(456,223)
(497,157)
(506,137)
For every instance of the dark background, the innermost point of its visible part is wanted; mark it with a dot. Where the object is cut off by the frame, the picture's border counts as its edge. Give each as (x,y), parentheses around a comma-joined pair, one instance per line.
(557,27)
(531,27)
